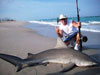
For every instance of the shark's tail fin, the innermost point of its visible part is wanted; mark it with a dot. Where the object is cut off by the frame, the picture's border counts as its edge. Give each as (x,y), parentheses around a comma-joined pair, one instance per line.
(18,62)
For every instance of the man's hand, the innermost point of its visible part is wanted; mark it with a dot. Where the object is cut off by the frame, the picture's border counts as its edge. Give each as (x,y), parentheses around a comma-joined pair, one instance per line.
(59,32)
(79,24)
(57,29)
(76,24)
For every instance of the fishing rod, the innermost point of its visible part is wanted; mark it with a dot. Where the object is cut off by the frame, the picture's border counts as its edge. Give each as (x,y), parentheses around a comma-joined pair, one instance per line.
(79,28)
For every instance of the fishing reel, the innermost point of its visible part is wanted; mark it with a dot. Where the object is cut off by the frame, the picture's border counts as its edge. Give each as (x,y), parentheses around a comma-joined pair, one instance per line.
(84,38)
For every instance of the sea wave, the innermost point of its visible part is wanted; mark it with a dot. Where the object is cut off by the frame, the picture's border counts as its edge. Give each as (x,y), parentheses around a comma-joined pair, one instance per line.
(44,22)
(91,23)
(94,22)
(91,30)
(93,26)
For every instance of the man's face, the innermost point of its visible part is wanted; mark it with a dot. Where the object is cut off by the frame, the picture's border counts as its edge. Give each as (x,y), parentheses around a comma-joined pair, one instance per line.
(63,21)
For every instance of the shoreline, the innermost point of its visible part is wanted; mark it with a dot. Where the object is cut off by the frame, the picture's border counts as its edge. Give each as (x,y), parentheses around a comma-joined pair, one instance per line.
(49,31)
(18,40)
(14,36)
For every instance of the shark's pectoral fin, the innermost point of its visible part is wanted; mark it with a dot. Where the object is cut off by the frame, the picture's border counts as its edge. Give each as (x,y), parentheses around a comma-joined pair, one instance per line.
(67,67)
(19,68)
(30,55)
(45,63)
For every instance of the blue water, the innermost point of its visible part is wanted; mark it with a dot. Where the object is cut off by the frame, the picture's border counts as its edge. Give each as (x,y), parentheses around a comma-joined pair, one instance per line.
(82,19)
(88,23)
(45,30)
(46,27)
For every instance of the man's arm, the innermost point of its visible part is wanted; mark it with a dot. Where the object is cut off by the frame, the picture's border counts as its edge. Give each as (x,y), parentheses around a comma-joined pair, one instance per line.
(76,24)
(59,32)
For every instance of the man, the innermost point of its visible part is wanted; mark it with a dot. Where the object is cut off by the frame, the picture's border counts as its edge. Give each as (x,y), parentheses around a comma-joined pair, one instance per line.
(67,30)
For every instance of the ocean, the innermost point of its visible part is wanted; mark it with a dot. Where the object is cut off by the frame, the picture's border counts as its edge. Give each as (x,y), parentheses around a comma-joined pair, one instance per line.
(46,27)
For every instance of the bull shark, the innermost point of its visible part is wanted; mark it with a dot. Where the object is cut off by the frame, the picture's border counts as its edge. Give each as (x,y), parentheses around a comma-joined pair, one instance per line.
(60,54)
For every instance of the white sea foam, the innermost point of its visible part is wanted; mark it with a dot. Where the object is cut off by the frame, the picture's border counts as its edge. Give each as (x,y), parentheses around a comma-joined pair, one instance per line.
(85,23)
(93,26)
(91,30)
(44,22)
(91,23)
(94,22)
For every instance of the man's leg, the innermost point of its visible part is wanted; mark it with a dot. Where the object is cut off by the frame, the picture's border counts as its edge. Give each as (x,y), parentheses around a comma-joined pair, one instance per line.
(77,38)
(68,40)
(77,42)
(67,43)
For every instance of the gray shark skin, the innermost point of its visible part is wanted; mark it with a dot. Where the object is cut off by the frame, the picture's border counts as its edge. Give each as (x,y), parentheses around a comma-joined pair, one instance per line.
(60,54)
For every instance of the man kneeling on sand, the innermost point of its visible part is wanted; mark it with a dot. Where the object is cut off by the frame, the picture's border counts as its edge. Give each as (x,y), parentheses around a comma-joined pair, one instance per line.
(68,30)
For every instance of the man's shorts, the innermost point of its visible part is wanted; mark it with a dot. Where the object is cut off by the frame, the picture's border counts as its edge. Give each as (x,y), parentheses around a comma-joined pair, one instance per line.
(67,38)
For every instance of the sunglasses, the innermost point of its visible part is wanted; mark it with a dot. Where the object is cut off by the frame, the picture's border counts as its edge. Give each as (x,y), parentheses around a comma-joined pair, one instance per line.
(63,19)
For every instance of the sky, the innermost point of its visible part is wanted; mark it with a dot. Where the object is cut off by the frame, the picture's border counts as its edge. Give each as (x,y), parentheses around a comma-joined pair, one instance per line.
(47,9)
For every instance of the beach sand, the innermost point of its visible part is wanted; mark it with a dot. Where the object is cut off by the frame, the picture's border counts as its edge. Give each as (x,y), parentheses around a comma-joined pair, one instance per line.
(17,40)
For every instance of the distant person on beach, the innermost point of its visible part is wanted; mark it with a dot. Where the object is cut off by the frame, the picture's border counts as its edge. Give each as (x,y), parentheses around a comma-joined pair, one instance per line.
(68,30)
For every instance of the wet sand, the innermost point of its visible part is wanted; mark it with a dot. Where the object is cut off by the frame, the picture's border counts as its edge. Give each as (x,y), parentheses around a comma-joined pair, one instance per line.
(17,40)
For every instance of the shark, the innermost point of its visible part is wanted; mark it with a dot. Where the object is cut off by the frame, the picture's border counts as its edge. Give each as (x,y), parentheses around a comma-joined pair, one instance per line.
(60,54)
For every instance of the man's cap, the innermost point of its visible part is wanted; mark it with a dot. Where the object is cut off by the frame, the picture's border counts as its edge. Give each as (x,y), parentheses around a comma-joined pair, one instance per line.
(62,16)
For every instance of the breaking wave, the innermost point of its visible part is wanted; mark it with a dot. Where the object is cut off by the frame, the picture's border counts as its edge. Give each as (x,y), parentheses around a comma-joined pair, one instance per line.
(93,26)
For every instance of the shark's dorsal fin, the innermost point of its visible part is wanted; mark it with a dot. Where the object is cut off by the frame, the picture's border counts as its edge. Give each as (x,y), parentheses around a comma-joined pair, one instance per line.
(60,43)
(30,55)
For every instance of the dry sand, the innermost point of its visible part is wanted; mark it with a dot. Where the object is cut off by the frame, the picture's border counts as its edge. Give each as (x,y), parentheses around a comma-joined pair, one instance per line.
(17,40)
